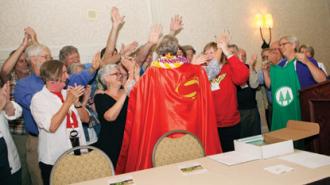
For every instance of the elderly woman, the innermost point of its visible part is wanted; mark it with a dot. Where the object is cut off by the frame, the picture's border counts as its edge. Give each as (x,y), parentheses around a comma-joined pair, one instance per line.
(111,107)
(58,120)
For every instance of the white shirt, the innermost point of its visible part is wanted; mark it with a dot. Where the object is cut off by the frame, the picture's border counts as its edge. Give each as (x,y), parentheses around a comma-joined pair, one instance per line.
(44,106)
(13,157)
(322,66)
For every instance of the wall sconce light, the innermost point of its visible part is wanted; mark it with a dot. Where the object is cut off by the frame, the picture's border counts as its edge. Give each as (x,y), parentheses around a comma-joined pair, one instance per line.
(264,22)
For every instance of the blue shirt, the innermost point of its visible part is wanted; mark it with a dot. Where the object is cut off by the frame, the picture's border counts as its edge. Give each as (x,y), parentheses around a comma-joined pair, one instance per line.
(304,75)
(81,78)
(27,87)
(23,93)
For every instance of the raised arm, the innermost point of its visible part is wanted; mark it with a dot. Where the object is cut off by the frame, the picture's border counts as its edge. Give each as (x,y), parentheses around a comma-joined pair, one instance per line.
(253,78)
(86,75)
(176,25)
(5,103)
(32,35)
(117,23)
(9,64)
(240,73)
(11,109)
(96,63)
(265,71)
(127,50)
(317,73)
(143,52)
(199,59)
(132,67)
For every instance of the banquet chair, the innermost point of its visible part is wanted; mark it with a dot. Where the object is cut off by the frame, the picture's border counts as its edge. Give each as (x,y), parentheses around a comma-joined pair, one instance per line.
(92,163)
(173,149)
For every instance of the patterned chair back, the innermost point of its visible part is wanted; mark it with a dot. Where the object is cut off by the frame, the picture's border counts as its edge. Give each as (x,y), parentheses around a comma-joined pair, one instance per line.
(170,150)
(92,163)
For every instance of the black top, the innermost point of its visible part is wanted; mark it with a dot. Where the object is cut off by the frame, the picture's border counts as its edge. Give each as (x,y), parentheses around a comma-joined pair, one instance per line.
(111,134)
(246,97)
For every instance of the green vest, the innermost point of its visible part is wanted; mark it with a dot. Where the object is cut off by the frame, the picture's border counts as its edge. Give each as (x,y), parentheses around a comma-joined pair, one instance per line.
(285,86)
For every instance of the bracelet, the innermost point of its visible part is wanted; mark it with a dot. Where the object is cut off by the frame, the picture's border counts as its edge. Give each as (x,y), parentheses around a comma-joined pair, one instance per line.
(78,107)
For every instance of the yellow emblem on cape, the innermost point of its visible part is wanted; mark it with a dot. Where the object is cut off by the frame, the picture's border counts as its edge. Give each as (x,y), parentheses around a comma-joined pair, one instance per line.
(188,89)
(219,78)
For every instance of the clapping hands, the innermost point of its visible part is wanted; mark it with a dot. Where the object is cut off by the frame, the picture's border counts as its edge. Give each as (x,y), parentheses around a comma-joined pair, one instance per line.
(74,92)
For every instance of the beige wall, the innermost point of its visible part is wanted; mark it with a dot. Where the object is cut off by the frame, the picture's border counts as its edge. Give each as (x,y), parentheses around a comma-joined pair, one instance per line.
(63,22)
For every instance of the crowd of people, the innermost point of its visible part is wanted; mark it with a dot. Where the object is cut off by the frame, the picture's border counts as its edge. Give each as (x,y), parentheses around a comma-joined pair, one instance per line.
(124,100)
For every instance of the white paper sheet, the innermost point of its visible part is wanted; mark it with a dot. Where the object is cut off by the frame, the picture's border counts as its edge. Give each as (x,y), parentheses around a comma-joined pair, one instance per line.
(307,159)
(278,169)
(233,158)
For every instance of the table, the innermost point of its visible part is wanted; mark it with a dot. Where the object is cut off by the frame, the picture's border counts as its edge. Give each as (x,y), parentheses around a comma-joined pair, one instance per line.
(247,173)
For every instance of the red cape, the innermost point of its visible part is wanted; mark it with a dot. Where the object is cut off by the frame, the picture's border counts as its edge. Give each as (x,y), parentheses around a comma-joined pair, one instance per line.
(164,100)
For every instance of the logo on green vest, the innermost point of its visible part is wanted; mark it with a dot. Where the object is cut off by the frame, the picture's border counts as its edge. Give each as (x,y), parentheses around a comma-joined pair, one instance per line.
(284,96)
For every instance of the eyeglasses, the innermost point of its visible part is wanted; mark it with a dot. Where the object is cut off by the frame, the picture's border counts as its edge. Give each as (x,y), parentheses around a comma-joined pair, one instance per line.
(116,74)
(274,49)
(284,43)
(264,57)
(47,57)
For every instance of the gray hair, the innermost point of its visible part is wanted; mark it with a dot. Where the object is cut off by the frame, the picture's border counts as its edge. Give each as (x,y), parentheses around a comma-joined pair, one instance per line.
(72,68)
(105,70)
(168,45)
(293,40)
(66,51)
(34,50)
(308,48)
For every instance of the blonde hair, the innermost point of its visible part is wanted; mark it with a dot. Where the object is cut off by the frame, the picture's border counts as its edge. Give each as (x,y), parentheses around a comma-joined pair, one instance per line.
(105,70)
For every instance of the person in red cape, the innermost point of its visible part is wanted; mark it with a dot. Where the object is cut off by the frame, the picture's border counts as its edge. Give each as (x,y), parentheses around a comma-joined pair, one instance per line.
(172,94)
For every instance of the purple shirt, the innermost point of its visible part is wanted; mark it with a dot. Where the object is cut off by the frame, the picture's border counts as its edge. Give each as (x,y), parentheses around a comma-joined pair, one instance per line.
(304,75)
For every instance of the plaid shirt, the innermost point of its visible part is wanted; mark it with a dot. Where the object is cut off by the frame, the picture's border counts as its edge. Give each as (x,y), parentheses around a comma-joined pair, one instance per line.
(16,126)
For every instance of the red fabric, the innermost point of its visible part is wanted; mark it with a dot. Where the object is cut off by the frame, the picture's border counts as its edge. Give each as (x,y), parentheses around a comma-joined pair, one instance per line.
(158,104)
(225,99)
(70,123)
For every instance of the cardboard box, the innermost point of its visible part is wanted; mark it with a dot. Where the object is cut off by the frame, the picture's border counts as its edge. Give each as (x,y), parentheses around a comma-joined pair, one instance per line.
(278,142)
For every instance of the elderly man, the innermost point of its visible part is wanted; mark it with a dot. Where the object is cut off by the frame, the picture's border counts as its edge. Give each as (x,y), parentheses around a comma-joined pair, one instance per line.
(293,73)
(36,55)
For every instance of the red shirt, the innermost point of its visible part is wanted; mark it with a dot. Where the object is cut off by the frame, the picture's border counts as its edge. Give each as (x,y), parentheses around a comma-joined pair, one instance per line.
(233,73)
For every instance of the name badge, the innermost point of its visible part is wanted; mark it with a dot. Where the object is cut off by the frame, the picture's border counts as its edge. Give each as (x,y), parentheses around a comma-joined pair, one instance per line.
(215,86)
